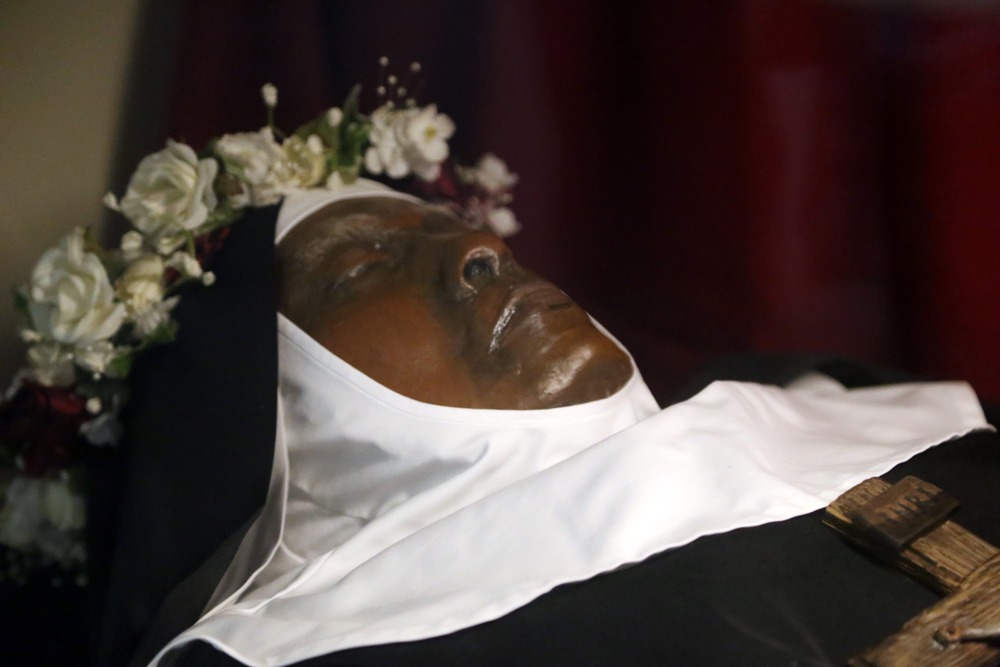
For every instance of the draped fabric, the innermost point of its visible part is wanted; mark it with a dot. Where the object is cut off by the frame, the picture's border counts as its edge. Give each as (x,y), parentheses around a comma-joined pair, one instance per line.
(704,177)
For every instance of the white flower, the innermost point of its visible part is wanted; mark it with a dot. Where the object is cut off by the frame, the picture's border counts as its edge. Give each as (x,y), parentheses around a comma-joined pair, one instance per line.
(131,245)
(95,358)
(149,320)
(94,405)
(103,430)
(111,201)
(70,297)
(44,515)
(51,364)
(270,95)
(186,263)
(502,221)
(30,336)
(335,181)
(304,165)
(141,286)
(334,117)
(22,515)
(208,278)
(64,509)
(385,153)
(167,244)
(171,191)
(408,140)
(491,174)
(428,133)
(251,158)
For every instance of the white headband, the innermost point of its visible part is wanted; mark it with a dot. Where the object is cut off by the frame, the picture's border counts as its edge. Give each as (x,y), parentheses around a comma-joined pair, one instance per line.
(299,205)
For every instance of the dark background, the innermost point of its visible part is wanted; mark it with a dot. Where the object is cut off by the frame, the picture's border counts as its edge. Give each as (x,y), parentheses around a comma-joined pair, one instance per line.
(705,177)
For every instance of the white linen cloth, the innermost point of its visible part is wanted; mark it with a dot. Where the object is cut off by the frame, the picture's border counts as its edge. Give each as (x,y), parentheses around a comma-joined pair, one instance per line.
(389,520)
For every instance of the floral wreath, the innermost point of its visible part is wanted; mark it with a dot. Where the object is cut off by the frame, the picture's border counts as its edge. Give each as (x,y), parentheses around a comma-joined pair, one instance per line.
(89,310)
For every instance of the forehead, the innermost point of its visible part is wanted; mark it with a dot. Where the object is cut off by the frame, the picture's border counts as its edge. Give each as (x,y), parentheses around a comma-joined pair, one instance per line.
(365,221)
(373,218)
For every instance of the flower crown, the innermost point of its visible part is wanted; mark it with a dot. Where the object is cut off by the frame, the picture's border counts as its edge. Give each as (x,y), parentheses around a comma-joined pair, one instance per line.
(89,310)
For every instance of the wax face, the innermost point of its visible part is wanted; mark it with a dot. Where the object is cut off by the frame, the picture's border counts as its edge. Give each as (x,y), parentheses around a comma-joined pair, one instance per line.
(416,300)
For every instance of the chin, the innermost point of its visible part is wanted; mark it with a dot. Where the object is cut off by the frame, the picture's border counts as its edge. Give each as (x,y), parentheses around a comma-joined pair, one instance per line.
(588,370)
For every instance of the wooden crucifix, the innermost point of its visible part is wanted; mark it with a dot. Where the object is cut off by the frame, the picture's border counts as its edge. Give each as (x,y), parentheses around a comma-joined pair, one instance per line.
(908,525)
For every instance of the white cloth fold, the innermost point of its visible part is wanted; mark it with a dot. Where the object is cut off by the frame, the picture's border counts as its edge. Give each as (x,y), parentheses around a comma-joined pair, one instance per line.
(391,520)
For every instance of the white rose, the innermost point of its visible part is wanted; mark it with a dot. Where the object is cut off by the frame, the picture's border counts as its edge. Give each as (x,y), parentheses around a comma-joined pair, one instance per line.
(492,175)
(64,508)
(171,191)
(141,286)
(251,157)
(71,299)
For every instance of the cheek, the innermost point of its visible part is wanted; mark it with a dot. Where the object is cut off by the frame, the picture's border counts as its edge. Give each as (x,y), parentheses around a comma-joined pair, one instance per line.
(398,341)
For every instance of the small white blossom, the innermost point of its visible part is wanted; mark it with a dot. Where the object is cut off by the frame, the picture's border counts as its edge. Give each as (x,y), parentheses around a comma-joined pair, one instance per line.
(30,336)
(408,140)
(492,175)
(71,298)
(428,133)
(303,166)
(502,222)
(152,318)
(334,117)
(385,153)
(44,515)
(103,430)
(251,157)
(131,242)
(141,285)
(171,191)
(22,513)
(335,181)
(94,405)
(51,364)
(208,279)
(64,507)
(95,358)
(186,263)
(167,244)
(111,201)
(270,95)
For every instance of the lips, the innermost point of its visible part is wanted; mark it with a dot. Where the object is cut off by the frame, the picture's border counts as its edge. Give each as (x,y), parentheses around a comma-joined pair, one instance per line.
(524,301)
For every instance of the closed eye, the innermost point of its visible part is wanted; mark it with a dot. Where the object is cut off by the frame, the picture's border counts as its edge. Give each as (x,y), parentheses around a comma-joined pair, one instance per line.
(352,264)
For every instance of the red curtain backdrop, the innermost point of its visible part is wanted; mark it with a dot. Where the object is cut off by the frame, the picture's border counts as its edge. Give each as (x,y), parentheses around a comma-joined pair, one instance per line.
(705,177)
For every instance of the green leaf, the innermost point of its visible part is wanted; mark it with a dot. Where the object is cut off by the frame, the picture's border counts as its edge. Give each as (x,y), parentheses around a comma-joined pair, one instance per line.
(350,107)
(120,366)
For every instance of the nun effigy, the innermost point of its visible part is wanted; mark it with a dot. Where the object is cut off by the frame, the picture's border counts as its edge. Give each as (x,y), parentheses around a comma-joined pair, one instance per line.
(452,464)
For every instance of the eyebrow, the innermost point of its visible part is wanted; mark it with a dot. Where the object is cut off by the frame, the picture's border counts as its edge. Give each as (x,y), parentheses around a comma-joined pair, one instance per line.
(350,229)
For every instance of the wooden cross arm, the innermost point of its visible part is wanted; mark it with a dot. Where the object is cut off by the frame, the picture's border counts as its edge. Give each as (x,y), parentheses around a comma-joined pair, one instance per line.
(907,524)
